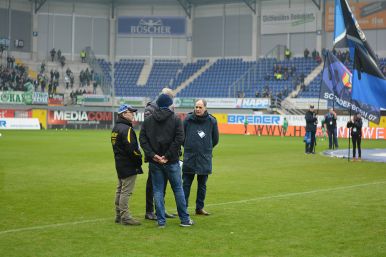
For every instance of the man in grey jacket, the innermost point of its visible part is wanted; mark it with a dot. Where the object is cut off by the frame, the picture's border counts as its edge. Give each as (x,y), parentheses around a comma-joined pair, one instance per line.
(201,136)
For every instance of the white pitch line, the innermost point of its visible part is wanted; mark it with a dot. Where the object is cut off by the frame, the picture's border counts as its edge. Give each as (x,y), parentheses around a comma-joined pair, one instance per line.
(297,193)
(213,204)
(49,226)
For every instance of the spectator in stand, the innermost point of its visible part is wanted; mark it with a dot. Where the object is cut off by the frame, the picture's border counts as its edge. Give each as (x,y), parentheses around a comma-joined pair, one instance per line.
(53,53)
(59,54)
(314,54)
(62,60)
(72,80)
(94,85)
(257,94)
(306,53)
(2,48)
(67,80)
(287,53)
(83,56)
(43,67)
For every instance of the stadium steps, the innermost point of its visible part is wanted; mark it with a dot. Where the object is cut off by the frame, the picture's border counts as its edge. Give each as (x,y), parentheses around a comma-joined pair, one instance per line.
(144,76)
(307,81)
(192,78)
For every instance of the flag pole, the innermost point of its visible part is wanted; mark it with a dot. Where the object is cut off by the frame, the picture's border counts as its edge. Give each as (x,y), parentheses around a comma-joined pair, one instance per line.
(349,130)
(320,90)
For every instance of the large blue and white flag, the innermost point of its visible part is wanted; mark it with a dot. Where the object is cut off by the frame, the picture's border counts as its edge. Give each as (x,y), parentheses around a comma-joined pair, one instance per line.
(337,86)
(369,84)
(347,33)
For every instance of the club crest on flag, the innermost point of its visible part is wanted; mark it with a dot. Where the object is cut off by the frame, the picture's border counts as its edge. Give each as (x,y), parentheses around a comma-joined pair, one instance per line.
(346,80)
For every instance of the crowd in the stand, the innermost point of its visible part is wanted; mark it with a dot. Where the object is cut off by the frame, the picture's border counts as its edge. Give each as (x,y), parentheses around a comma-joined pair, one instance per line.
(13,77)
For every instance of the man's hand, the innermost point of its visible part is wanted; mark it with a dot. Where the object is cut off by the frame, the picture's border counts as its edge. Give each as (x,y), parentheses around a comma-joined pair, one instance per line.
(157,158)
(164,160)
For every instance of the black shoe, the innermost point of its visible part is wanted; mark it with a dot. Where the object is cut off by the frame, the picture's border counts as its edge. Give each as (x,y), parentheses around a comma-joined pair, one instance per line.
(150,216)
(117,219)
(169,216)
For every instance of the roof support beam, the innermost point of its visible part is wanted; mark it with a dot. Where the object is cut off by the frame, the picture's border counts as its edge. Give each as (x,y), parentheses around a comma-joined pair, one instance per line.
(317,3)
(251,4)
(187,5)
(39,4)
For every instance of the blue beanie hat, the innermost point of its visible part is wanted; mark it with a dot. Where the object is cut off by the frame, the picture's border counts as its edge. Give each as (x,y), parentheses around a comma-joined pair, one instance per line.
(164,101)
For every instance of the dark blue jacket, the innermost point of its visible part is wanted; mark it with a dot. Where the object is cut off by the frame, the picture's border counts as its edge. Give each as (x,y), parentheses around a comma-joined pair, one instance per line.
(311,121)
(201,136)
(128,157)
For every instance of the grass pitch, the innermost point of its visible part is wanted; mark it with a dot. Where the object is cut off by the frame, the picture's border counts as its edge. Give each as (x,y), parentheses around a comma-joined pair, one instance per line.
(267,198)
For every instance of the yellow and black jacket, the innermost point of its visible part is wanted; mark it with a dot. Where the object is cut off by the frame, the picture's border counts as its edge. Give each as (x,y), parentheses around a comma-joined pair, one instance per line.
(128,157)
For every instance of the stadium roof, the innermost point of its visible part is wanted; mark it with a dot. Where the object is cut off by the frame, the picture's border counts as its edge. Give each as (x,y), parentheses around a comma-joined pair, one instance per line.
(186,4)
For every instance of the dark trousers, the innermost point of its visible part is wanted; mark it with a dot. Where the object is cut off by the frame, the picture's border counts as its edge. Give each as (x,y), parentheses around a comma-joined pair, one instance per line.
(332,138)
(150,194)
(310,146)
(356,142)
(187,180)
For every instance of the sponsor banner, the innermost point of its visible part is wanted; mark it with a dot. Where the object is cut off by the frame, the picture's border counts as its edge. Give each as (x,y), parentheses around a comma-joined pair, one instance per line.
(288,21)
(39,98)
(221,117)
(56,100)
(382,123)
(369,15)
(79,117)
(253,103)
(93,100)
(7,113)
(41,115)
(293,120)
(304,103)
(19,123)
(134,101)
(221,102)
(152,26)
(184,102)
(295,131)
(15,97)
(226,103)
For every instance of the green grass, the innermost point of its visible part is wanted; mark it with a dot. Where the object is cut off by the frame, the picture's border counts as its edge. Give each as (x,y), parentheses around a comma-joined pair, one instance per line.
(267,198)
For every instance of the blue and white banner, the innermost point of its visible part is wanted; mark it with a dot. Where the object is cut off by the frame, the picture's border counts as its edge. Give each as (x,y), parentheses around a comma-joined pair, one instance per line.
(152,26)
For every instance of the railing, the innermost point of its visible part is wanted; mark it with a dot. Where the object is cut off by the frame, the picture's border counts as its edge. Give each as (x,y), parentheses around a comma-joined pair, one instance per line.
(103,81)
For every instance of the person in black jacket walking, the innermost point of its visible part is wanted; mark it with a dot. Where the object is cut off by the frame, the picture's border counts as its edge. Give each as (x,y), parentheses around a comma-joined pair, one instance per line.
(311,122)
(161,138)
(356,135)
(201,136)
(128,162)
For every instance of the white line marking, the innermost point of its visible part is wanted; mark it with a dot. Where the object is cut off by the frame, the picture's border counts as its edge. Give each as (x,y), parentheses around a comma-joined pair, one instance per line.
(49,226)
(297,193)
(214,204)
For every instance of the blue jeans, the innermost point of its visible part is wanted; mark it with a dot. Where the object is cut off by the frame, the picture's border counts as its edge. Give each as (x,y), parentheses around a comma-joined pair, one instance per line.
(160,174)
(201,188)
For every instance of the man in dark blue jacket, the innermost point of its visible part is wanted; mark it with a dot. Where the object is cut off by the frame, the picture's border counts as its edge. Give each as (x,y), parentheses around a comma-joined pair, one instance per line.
(161,138)
(201,136)
(311,122)
(128,162)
